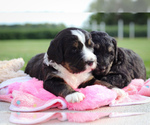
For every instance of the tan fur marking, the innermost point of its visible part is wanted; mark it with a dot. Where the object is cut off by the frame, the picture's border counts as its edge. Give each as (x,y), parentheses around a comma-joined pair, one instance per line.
(89,42)
(109,49)
(90,78)
(66,65)
(103,83)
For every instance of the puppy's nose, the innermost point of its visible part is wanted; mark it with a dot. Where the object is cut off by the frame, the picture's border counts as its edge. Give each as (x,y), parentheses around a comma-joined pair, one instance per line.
(103,68)
(90,63)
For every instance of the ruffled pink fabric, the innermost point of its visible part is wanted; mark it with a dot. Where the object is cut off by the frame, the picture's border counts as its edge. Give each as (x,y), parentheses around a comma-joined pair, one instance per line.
(30,96)
(138,86)
(96,96)
(138,92)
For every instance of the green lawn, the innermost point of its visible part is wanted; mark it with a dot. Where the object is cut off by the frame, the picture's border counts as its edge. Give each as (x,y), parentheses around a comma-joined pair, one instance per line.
(26,49)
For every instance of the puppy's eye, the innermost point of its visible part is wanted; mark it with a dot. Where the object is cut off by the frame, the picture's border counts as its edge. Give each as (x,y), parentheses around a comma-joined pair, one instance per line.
(96,46)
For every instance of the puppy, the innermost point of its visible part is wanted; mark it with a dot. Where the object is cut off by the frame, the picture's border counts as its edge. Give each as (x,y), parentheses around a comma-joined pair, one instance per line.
(115,65)
(66,65)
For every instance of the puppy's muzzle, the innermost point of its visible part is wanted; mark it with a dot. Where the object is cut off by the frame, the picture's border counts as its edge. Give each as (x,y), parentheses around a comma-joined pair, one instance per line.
(103,69)
(90,63)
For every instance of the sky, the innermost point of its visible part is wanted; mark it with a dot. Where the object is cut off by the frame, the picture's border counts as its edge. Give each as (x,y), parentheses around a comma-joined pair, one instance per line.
(69,12)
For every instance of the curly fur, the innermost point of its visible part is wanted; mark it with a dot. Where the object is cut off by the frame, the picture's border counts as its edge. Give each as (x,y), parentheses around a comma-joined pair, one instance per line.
(117,66)
(11,69)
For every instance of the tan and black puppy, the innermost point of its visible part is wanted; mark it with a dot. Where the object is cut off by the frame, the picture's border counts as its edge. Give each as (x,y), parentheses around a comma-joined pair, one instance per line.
(66,65)
(115,65)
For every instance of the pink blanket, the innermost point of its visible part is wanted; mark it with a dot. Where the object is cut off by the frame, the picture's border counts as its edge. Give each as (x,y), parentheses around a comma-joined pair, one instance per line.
(40,117)
(27,94)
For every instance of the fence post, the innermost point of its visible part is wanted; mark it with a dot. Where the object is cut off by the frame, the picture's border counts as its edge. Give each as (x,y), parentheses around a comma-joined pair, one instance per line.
(94,26)
(120,29)
(148,28)
(131,30)
(102,26)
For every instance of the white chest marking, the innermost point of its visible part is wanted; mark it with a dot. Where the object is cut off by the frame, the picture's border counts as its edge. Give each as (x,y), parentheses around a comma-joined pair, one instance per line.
(74,80)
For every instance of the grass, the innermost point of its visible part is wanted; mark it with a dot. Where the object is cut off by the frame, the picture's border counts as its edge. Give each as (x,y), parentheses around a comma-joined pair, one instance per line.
(26,49)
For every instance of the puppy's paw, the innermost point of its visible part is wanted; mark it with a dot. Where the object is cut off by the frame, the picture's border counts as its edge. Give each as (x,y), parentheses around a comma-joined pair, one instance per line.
(120,93)
(75,97)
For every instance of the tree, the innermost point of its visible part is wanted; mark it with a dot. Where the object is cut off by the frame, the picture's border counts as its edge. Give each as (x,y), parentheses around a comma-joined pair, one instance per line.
(112,18)
(120,6)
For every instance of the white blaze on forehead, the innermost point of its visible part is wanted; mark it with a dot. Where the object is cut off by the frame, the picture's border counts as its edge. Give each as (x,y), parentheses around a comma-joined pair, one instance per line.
(88,54)
(79,34)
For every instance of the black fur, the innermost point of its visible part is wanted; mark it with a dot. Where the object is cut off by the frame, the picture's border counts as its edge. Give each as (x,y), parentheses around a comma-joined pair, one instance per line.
(34,67)
(117,66)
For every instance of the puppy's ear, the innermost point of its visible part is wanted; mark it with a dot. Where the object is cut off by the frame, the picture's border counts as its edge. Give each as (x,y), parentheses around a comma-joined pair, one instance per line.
(55,51)
(116,49)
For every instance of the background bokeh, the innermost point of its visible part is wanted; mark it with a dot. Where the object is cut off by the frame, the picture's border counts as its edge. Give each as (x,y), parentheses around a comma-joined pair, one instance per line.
(27,27)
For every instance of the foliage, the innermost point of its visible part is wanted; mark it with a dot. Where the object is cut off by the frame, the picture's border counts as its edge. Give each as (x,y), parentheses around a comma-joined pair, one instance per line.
(47,31)
(119,5)
(112,18)
(30,31)
(112,30)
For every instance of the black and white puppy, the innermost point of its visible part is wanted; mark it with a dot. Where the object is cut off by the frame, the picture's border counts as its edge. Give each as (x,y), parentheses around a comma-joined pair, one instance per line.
(66,65)
(115,65)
